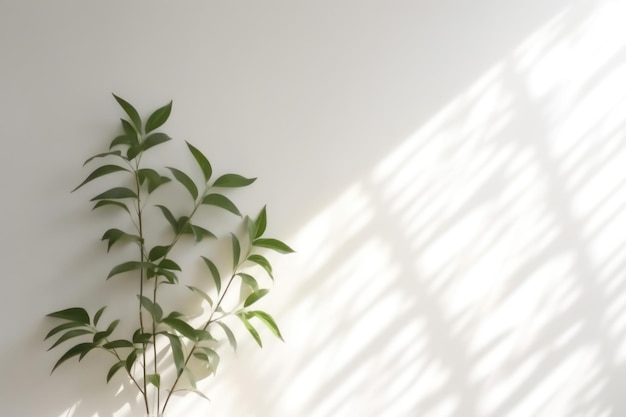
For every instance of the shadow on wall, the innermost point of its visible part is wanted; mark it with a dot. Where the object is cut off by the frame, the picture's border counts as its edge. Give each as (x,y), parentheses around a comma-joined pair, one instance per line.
(473,269)
(478,270)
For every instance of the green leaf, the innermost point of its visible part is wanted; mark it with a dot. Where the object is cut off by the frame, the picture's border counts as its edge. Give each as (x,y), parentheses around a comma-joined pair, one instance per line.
(133,151)
(177,352)
(268,321)
(99,172)
(123,140)
(201,294)
(260,223)
(168,264)
(131,358)
(96,317)
(250,329)
(215,273)
(119,365)
(120,343)
(154,379)
(249,280)
(190,377)
(187,182)
(273,244)
(158,252)
(115,194)
(139,337)
(80,349)
(263,262)
(154,309)
(233,180)
(159,117)
(200,233)
(103,335)
(103,203)
(180,326)
(203,335)
(76,314)
(209,356)
(202,161)
(170,217)
(62,327)
(130,111)
(222,202)
(236,250)
(102,155)
(255,296)
(154,140)
(229,335)
(154,179)
(130,132)
(69,335)
(115,235)
(130,266)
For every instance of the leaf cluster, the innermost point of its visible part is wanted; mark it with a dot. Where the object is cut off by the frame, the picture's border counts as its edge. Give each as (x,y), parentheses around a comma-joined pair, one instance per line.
(154,266)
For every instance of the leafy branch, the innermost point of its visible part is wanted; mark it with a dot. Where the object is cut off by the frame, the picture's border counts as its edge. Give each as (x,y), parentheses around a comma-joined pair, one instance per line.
(154,266)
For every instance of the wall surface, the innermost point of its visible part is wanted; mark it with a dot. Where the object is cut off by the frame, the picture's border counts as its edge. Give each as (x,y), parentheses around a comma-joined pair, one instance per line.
(451,173)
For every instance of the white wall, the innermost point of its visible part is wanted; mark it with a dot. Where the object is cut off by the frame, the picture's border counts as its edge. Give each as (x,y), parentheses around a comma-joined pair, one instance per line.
(451,174)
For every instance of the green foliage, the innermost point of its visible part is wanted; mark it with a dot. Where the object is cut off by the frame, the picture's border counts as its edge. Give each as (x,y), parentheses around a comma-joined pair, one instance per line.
(137,355)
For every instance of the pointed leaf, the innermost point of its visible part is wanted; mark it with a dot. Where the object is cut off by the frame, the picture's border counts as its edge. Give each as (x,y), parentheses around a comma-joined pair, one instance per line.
(103,335)
(250,329)
(169,265)
(229,335)
(236,250)
(123,140)
(187,182)
(76,314)
(96,317)
(260,223)
(130,111)
(131,358)
(200,233)
(139,337)
(62,327)
(181,327)
(210,356)
(202,161)
(153,178)
(249,280)
(99,172)
(170,217)
(154,140)
(69,335)
(159,117)
(233,180)
(115,193)
(154,379)
(120,343)
(273,244)
(255,296)
(154,309)
(133,151)
(263,262)
(115,235)
(215,273)
(177,352)
(268,321)
(201,294)
(103,203)
(129,266)
(221,201)
(119,365)
(158,252)
(102,155)
(80,349)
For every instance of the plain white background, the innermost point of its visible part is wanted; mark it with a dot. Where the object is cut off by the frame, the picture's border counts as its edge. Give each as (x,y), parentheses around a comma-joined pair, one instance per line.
(451,174)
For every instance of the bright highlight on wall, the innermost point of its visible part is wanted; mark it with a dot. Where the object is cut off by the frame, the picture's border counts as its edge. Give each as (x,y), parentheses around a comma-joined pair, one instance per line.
(478,269)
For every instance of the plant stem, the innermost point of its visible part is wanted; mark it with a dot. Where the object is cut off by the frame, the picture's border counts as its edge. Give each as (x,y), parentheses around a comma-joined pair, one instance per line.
(209,321)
